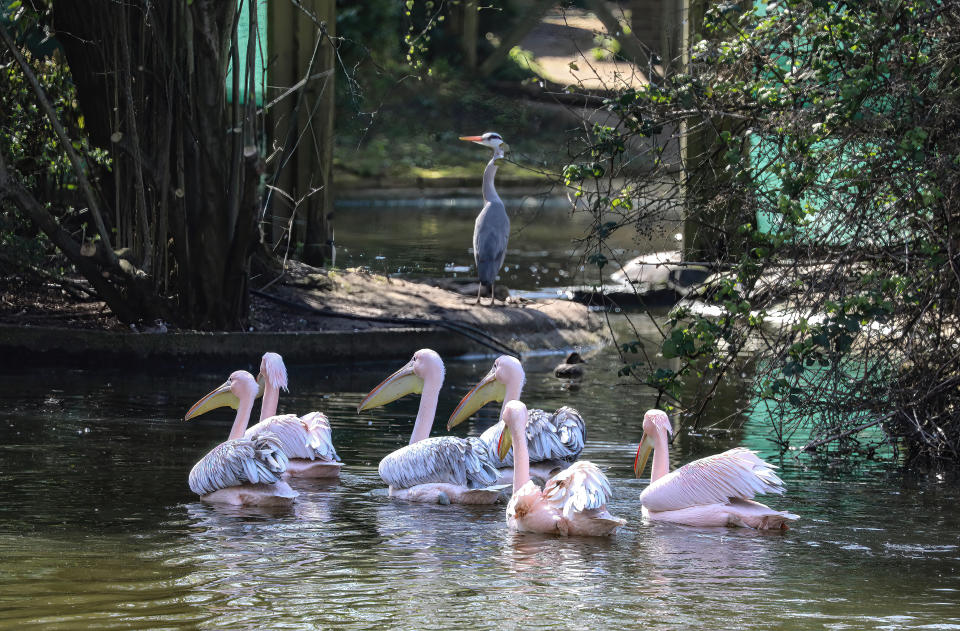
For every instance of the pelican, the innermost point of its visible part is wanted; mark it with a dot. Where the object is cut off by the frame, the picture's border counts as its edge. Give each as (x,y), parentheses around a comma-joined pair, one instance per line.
(492,229)
(573,502)
(714,491)
(305,439)
(247,469)
(442,469)
(555,441)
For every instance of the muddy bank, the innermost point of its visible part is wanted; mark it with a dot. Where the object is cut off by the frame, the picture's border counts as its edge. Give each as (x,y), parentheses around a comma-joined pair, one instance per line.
(314,316)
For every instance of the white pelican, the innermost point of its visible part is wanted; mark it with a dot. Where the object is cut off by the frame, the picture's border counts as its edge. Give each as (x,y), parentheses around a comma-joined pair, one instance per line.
(555,440)
(573,502)
(441,469)
(247,469)
(714,491)
(306,440)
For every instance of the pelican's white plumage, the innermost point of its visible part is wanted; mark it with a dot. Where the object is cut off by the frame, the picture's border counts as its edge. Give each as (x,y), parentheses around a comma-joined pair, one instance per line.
(307,439)
(573,502)
(247,468)
(441,459)
(253,459)
(737,473)
(554,440)
(439,469)
(714,491)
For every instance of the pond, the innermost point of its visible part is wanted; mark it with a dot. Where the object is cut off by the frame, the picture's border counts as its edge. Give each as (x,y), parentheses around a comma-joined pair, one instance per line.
(544,254)
(99,530)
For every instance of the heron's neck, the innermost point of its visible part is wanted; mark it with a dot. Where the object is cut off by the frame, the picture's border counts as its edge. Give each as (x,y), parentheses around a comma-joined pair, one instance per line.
(489,192)
(661,457)
(271,398)
(243,417)
(521,459)
(428,408)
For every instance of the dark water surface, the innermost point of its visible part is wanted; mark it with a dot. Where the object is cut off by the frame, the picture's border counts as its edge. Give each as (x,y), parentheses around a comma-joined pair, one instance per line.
(545,252)
(98,529)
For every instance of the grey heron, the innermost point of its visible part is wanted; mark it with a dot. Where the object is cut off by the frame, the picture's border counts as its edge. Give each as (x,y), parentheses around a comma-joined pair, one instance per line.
(492,229)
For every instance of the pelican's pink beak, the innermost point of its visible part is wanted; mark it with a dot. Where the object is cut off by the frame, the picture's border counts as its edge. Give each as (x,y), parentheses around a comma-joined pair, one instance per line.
(643,454)
(489,389)
(400,383)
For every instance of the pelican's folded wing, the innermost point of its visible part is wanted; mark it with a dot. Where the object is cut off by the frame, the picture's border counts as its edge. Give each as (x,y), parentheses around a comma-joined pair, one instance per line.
(737,473)
(306,436)
(447,459)
(580,487)
(248,460)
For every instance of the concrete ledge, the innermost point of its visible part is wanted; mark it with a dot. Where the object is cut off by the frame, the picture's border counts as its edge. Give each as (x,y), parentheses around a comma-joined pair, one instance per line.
(94,347)
(91,347)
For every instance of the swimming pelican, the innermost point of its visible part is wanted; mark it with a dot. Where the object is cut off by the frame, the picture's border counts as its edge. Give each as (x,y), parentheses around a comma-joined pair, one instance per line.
(573,502)
(714,491)
(442,469)
(247,469)
(306,440)
(492,228)
(555,441)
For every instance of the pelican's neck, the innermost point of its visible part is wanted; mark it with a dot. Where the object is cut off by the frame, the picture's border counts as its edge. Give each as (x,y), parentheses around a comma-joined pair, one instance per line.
(271,398)
(428,408)
(521,459)
(243,417)
(661,457)
(511,392)
(489,192)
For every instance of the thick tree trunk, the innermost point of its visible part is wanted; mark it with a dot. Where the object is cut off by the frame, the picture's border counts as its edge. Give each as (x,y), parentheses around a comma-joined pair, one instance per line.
(150,81)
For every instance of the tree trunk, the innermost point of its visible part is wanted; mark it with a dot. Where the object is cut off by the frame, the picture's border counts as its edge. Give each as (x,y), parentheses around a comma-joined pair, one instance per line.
(150,81)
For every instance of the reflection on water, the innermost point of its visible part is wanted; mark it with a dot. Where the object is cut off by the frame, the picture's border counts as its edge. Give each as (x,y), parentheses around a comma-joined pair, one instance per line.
(99,530)
(431,242)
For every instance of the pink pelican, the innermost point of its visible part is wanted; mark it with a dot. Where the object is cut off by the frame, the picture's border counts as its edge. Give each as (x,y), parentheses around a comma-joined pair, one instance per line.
(247,469)
(714,491)
(306,440)
(442,469)
(555,440)
(573,502)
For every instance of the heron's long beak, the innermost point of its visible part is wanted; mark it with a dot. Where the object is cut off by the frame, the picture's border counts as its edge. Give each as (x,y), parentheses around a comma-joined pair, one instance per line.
(400,383)
(219,398)
(489,389)
(476,139)
(505,443)
(643,454)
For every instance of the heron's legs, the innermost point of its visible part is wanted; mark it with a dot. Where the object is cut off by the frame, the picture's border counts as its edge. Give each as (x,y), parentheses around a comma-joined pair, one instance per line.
(493,295)
(479,291)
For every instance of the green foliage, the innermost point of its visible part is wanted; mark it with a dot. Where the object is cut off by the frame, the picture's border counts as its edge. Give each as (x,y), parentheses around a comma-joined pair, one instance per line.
(30,149)
(822,164)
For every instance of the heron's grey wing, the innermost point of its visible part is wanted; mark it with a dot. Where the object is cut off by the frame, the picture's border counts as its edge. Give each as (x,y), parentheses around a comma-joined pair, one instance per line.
(306,436)
(580,487)
(490,235)
(447,459)
(254,459)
